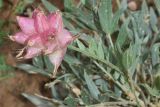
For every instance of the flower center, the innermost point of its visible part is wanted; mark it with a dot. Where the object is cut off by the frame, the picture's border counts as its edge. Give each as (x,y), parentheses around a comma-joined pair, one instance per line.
(51,37)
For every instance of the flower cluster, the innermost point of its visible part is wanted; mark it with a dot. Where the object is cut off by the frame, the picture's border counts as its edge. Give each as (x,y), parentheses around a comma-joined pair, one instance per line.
(45,35)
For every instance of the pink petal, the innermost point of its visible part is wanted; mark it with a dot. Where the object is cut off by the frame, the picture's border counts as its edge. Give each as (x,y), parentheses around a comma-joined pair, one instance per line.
(55,21)
(41,24)
(35,12)
(36,41)
(64,38)
(32,52)
(26,24)
(20,37)
(51,47)
(57,57)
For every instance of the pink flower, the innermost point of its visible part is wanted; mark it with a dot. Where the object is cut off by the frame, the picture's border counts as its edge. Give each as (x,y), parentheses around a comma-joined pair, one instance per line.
(43,35)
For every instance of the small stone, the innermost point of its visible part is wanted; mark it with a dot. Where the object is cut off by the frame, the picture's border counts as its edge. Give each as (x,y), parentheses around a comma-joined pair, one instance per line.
(132,5)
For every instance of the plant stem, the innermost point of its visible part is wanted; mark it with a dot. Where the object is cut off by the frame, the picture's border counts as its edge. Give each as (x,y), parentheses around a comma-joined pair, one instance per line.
(115,104)
(110,77)
(108,36)
(131,84)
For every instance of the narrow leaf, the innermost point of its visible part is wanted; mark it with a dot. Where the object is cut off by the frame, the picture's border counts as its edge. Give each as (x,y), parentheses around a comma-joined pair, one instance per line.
(32,69)
(157,3)
(38,62)
(155,54)
(100,51)
(122,36)
(50,7)
(116,19)
(80,45)
(105,15)
(91,86)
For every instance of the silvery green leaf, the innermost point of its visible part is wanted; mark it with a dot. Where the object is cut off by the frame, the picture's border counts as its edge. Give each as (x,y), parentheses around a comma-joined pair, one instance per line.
(39,102)
(50,7)
(43,102)
(153,20)
(68,24)
(105,15)
(123,33)
(92,46)
(71,60)
(145,9)
(69,5)
(103,84)
(70,102)
(124,4)
(86,18)
(38,62)
(92,4)
(48,64)
(116,18)
(91,86)
(129,56)
(100,52)
(32,69)
(157,3)
(155,54)
(29,68)
(80,45)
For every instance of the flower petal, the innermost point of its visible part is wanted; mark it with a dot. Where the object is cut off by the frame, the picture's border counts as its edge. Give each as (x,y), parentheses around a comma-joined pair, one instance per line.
(19,37)
(51,47)
(40,20)
(35,41)
(64,38)
(32,52)
(56,22)
(26,24)
(35,12)
(57,57)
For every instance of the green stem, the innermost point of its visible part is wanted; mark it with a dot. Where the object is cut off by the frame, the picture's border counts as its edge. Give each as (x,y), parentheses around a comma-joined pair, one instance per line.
(131,84)
(108,36)
(114,104)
